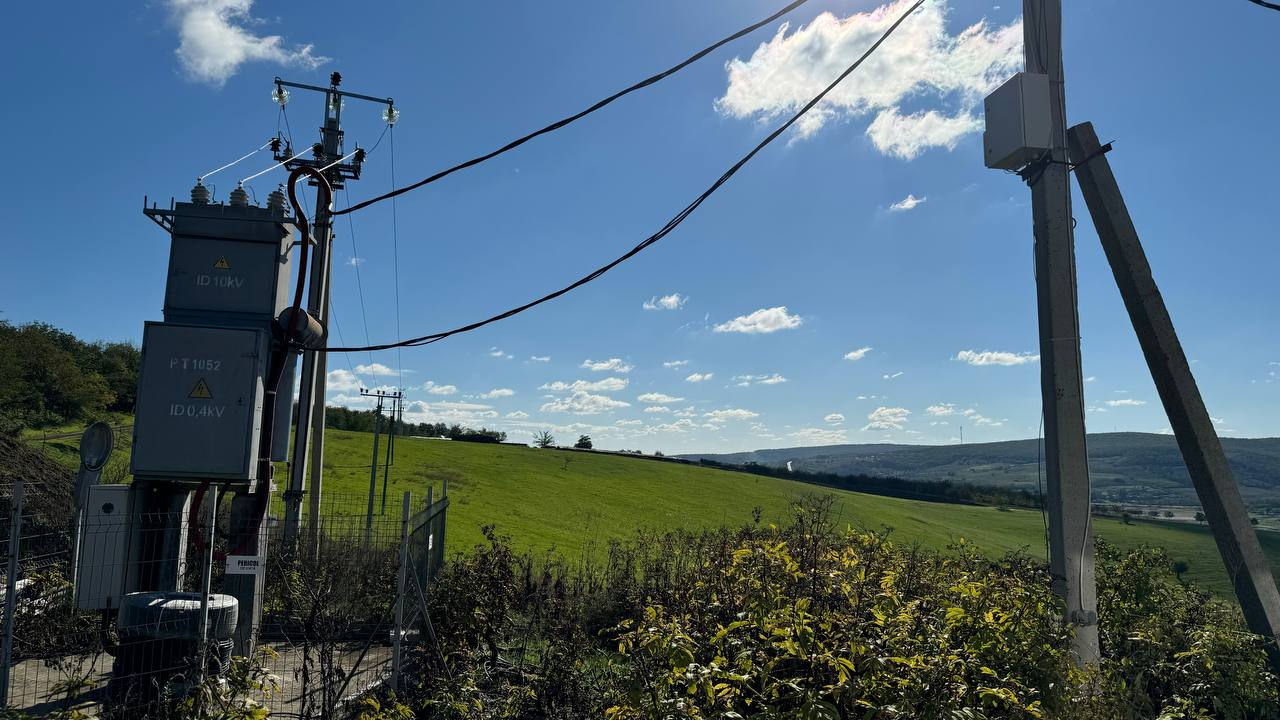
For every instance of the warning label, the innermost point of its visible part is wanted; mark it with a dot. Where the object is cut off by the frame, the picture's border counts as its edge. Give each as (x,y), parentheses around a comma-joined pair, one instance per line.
(201,391)
(222,264)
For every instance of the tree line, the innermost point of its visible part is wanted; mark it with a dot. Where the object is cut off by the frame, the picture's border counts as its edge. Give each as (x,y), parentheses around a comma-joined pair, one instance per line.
(341,418)
(934,490)
(50,377)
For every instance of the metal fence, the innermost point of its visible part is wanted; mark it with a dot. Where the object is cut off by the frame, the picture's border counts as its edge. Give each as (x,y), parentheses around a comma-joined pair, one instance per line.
(339,608)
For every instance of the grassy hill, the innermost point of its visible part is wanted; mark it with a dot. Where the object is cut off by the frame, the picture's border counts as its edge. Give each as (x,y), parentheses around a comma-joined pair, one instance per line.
(1129,468)
(575,502)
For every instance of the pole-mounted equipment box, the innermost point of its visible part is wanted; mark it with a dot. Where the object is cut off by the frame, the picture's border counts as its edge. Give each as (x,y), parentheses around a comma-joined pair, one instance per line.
(199,407)
(228,265)
(1019,124)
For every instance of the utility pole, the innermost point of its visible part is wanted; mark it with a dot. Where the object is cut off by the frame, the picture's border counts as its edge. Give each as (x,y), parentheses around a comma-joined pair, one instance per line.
(1061,381)
(392,423)
(1201,448)
(327,157)
(381,395)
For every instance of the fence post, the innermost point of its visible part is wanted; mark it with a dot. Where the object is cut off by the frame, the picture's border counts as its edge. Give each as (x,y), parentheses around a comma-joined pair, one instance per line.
(11,588)
(206,581)
(430,527)
(397,658)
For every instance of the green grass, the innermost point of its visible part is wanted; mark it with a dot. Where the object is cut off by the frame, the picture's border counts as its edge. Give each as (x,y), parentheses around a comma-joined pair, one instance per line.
(575,502)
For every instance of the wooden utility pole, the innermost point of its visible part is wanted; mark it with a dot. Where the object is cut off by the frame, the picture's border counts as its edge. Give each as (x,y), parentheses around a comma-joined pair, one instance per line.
(1061,381)
(1201,449)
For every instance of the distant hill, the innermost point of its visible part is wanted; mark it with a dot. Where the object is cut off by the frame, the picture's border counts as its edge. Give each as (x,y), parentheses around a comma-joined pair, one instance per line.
(1131,468)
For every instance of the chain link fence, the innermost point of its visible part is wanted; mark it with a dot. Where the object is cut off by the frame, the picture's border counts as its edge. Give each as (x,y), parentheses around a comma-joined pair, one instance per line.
(339,607)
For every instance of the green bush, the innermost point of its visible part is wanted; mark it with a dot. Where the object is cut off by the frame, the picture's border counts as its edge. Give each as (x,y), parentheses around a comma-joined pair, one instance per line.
(807,622)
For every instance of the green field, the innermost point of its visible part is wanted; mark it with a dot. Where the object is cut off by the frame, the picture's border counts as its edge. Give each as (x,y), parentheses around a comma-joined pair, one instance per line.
(575,502)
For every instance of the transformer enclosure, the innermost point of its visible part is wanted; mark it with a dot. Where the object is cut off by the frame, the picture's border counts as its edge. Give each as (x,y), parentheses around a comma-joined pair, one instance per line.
(228,265)
(199,406)
(1018,120)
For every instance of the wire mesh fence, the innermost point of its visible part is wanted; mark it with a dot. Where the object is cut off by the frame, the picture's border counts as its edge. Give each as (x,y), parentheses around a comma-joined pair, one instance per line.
(336,606)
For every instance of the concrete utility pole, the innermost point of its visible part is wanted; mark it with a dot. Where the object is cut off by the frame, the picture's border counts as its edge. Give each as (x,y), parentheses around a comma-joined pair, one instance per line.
(1061,382)
(1201,449)
(373,466)
(393,422)
(328,158)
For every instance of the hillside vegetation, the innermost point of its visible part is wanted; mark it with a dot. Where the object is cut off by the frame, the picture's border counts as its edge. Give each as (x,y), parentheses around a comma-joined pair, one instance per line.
(576,502)
(1127,467)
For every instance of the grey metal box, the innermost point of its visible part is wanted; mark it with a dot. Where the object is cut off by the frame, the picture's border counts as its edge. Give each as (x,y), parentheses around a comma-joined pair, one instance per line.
(229,261)
(1019,126)
(199,406)
(104,546)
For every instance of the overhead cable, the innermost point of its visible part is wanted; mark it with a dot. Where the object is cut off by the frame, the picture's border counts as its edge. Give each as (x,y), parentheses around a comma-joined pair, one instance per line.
(577,116)
(246,156)
(1265,4)
(666,229)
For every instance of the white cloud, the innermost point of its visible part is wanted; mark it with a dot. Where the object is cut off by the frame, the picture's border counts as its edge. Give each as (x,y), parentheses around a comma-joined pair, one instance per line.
(341,381)
(834,418)
(856,355)
(979,419)
(435,389)
(657,409)
(1126,402)
(941,410)
(609,384)
(540,358)
(628,423)
(893,376)
(686,413)
(764,320)
(374,369)
(819,436)
(730,414)
(674,301)
(1091,378)
(675,363)
(906,136)
(354,261)
(213,41)
(996,357)
(887,418)
(658,398)
(907,203)
(921,63)
(516,415)
(745,380)
(610,365)
(584,403)
(497,393)
(699,377)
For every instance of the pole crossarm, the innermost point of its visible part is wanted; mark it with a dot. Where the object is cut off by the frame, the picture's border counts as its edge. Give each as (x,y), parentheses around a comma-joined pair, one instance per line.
(1211,474)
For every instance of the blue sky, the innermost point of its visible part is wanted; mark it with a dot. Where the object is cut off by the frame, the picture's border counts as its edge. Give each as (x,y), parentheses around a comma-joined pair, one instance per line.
(111,104)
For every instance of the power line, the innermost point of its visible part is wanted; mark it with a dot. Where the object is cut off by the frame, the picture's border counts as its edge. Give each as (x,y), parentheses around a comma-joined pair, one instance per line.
(577,116)
(355,262)
(666,229)
(1265,4)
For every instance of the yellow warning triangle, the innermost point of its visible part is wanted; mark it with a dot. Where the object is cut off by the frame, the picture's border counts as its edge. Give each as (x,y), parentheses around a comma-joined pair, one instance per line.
(201,391)
(222,264)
